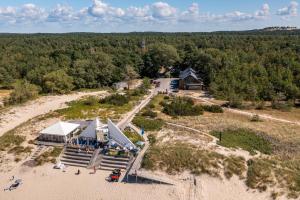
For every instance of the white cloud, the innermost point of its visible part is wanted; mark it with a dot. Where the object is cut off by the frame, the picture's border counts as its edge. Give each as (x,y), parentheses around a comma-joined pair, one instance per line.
(191,14)
(289,11)
(62,13)
(99,9)
(161,10)
(263,12)
(31,12)
(8,11)
(150,15)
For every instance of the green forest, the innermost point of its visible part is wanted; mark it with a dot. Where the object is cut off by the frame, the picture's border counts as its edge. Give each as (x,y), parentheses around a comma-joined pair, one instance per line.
(253,66)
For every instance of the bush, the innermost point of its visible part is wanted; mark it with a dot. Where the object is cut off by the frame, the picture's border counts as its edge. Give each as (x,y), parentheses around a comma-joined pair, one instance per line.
(148,124)
(149,113)
(283,106)
(150,106)
(133,136)
(90,101)
(213,108)
(115,99)
(182,106)
(245,139)
(23,91)
(152,139)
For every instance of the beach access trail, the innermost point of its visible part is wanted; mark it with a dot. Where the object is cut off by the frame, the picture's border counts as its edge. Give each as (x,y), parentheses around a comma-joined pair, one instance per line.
(16,115)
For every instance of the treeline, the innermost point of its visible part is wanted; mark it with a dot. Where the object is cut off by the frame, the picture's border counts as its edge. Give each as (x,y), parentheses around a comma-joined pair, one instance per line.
(234,65)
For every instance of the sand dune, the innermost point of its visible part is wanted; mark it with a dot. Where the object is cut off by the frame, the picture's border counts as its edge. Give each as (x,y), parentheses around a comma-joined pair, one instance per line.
(20,114)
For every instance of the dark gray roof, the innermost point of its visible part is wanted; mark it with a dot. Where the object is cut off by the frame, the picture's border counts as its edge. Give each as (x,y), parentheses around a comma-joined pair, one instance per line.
(188,72)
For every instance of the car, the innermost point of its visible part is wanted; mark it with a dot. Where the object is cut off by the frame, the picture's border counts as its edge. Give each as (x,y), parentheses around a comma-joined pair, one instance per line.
(114,176)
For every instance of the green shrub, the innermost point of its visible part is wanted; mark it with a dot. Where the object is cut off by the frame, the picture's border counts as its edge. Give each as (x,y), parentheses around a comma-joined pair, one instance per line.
(213,108)
(245,139)
(150,106)
(166,97)
(152,139)
(182,106)
(23,91)
(148,124)
(283,106)
(133,136)
(115,99)
(90,101)
(149,113)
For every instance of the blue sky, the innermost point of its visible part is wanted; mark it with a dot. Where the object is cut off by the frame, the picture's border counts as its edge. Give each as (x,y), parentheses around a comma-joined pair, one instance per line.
(31,16)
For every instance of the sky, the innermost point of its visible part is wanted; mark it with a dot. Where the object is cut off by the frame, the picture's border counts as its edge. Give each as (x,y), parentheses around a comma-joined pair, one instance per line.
(59,16)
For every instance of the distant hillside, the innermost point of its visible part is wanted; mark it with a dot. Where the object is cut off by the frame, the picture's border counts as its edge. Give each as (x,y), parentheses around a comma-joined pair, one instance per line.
(280,28)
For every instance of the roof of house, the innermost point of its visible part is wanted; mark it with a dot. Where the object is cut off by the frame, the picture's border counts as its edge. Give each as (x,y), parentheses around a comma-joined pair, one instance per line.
(91,130)
(60,128)
(188,72)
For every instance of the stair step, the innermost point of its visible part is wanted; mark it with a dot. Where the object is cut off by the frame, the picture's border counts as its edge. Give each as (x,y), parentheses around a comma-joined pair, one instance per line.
(76,150)
(75,161)
(114,166)
(77,154)
(114,162)
(115,158)
(76,157)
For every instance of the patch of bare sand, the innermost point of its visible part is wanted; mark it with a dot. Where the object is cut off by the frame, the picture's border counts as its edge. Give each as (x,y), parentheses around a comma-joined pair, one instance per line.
(19,114)
(49,184)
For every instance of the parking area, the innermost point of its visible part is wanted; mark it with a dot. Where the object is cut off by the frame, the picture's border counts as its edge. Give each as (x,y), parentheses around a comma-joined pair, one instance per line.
(167,85)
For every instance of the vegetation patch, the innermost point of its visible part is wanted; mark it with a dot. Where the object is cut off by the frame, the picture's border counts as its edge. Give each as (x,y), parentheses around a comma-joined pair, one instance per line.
(148,124)
(10,140)
(213,108)
(18,150)
(181,106)
(245,139)
(115,99)
(133,136)
(23,91)
(176,158)
(48,156)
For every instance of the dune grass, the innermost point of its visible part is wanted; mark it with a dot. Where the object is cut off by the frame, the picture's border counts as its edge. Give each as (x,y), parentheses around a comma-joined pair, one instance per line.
(264,173)
(176,158)
(148,124)
(133,136)
(48,156)
(245,139)
(10,140)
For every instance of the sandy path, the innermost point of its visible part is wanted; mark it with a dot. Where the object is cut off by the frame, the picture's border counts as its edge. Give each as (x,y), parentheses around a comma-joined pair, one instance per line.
(20,114)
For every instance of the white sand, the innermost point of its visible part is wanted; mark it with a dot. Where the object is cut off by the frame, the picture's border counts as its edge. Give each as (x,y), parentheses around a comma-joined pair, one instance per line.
(49,184)
(20,114)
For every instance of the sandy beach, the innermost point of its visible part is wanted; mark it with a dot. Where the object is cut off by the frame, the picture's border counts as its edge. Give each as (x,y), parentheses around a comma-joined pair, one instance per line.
(49,184)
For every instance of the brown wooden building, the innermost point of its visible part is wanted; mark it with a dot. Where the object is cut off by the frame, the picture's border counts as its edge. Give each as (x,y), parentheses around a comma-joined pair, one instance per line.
(189,80)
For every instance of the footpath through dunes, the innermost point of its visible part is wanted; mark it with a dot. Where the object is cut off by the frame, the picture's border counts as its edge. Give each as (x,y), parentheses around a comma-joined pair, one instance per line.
(17,115)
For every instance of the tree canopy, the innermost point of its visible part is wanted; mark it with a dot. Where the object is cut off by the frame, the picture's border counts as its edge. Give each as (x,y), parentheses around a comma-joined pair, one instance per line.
(234,65)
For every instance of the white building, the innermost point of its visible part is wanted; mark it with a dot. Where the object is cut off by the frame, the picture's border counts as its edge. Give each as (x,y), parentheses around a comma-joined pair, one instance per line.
(60,132)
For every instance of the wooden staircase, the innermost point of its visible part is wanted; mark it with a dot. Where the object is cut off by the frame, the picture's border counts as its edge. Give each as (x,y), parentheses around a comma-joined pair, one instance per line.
(72,156)
(113,162)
